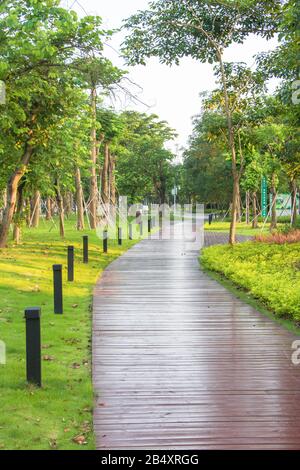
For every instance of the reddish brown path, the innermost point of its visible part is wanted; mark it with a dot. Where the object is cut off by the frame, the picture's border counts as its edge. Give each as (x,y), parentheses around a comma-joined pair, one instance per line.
(179,363)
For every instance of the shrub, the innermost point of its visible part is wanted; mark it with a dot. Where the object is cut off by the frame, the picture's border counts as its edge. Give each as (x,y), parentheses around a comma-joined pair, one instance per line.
(281,237)
(268,271)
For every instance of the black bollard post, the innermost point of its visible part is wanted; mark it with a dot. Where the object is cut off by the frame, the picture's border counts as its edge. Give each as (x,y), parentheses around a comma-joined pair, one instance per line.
(149,224)
(210,219)
(57,286)
(33,346)
(130,232)
(160,225)
(119,236)
(194,228)
(85,249)
(70,263)
(105,241)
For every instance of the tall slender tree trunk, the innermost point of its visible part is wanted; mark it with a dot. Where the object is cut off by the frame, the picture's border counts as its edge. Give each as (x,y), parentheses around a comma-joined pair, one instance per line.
(104,185)
(247,207)
(294,202)
(61,212)
(254,210)
(28,211)
(112,178)
(4,203)
(79,200)
(239,213)
(235,172)
(12,189)
(35,209)
(18,215)
(93,206)
(273,191)
(49,208)
(68,203)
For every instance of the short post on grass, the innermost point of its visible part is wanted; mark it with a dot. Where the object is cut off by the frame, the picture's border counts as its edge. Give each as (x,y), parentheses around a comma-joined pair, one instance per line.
(85,239)
(105,241)
(119,236)
(130,232)
(57,288)
(33,346)
(70,263)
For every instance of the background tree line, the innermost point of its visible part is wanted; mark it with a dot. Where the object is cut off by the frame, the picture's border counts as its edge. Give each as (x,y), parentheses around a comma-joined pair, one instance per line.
(60,148)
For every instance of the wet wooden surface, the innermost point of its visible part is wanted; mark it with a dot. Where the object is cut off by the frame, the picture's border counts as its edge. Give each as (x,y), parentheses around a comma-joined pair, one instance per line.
(179,363)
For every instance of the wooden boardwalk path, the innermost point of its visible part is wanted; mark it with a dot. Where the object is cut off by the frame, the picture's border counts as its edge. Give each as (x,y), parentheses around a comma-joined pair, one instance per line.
(179,363)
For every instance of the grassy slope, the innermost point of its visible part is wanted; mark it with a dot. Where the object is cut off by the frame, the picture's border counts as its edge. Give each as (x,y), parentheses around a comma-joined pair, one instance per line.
(269,272)
(242,228)
(52,416)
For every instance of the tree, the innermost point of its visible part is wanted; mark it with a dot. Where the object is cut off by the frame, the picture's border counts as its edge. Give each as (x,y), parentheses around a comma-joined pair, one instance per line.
(96,73)
(40,39)
(172,29)
(143,162)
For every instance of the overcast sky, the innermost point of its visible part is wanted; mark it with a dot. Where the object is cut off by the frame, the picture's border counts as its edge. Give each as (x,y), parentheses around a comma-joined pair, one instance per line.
(170,92)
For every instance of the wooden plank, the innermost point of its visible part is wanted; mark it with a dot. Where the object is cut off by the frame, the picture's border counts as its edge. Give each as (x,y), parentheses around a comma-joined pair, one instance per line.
(179,363)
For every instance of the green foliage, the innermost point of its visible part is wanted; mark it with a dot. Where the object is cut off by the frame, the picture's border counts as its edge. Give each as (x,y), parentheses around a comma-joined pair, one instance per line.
(144,167)
(172,29)
(49,418)
(269,272)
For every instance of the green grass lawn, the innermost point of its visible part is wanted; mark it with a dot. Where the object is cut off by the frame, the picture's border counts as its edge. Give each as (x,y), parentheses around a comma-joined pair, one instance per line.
(242,228)
(269,272)
(53,416)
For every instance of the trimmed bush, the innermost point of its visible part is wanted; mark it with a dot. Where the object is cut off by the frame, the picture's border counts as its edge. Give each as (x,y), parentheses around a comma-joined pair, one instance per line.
(271,272)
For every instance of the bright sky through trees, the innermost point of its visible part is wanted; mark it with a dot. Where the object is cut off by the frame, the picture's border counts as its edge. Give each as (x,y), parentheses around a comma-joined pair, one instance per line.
(171,92)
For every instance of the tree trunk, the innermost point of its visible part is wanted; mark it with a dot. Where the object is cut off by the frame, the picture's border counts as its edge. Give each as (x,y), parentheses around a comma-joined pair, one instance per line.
(273,191)
(247,207)
(254,208)
(12,189)
(79,200)
(239,212)
(93,206)
(68,204)
(235,172)
(112,179)
(35,211)
(28,212)
(49,208)
(104,185)
(61,212)
(18,215)
(234,210)
(294,202)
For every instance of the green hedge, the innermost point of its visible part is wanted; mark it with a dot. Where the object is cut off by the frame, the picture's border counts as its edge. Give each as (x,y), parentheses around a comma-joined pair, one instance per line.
(270,272)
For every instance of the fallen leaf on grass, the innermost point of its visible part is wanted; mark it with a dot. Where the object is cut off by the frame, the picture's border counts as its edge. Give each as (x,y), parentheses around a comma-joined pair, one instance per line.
(48,358)
(75,365)
(36,288)
(53,443)
(79,440)
(86,427)
(75,305)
